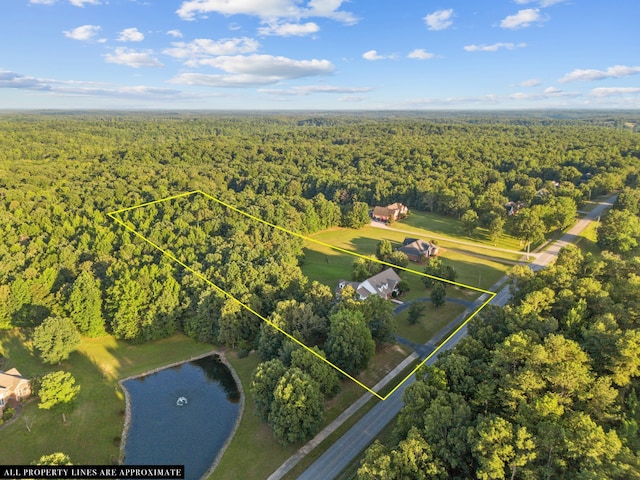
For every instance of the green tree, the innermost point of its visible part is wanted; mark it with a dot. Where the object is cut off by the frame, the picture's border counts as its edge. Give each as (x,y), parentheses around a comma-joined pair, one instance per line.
(57,392)
(438,294)
(55,339)
(126,304)
(5,314)
(469,222)
(619,231)
(54,459)
(399,259)
(415,312)
(380,319)
(496,227)
(85,305)
(263,383)
(349,345)
(297,408)
(321,372)
(356,215)
(528,227)
(628,199)
(376,463)
(384,250)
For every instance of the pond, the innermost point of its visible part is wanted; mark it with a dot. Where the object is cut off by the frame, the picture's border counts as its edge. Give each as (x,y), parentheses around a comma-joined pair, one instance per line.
(182,415)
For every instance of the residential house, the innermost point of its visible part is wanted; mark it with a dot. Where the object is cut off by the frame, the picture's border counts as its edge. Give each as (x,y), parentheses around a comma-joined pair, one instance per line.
(383,284)
(13,386)
(418,250)
(513,208)
(390,212)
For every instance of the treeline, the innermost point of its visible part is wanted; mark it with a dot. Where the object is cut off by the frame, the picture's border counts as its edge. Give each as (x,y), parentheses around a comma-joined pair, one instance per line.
(59,175)
(544,388)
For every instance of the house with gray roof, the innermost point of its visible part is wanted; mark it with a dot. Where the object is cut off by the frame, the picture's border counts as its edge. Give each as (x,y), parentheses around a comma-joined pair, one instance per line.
(383,284)
(418,250)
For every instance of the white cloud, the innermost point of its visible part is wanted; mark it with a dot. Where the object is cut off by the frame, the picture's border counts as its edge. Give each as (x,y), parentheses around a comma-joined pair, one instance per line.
(542,3)
(613,91)
(204,47)
(268,10)
(81,3)
(420,54)
(439,20)
(494,47)
(75,88)
(522,19)
(130,35)
(254,70)
(83,33)
(530,83)
(373,55)
(77,3)
(289,29)
(310,89)
(269,65)
(224,81)
(133,58)
(175,33)
(616,71)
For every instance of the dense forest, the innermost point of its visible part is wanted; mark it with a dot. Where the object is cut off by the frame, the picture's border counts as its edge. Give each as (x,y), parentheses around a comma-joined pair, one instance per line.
(544,388)
(66,269)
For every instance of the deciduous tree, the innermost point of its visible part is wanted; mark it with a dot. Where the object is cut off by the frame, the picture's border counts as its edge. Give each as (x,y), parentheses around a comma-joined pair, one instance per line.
(55,339)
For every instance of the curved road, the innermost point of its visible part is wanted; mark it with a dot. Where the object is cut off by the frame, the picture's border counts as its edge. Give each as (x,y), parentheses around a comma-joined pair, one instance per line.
(329,465)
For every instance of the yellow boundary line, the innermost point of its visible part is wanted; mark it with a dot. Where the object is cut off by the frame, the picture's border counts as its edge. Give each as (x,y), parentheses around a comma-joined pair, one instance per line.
(113,214)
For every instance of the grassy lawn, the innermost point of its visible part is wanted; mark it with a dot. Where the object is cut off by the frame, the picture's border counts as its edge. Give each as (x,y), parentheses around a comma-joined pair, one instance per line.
(443,226)
(433,320)
(587,240)
(328,266)
(92,431)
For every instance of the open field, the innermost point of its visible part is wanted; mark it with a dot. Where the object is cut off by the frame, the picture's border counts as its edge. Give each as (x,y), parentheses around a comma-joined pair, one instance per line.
(93,430)
(432,321)
(328,266)
(447,227)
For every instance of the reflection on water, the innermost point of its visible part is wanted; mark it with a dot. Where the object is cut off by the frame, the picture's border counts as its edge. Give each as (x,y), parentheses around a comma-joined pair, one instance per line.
(167,431)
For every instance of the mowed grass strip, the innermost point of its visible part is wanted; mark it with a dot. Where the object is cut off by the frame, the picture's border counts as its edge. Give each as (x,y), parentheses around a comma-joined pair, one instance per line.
(93,429)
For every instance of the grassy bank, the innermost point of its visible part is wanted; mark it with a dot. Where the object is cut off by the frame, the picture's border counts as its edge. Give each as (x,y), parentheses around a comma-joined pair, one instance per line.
(92,432)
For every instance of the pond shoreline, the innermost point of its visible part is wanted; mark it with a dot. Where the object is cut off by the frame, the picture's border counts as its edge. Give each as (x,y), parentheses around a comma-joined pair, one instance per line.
(127,419)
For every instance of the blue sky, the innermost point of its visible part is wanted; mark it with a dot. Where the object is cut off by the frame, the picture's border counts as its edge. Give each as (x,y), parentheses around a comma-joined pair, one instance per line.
(319,54)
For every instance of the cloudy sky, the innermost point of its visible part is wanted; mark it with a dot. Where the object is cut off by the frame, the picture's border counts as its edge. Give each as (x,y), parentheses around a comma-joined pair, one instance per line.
(319,54)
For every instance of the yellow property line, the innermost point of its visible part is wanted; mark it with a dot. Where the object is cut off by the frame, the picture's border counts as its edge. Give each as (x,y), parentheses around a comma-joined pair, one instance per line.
(113,214)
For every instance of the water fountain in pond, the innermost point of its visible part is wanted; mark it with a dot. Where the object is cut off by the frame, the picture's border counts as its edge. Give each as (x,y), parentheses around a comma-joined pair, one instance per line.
(181,401)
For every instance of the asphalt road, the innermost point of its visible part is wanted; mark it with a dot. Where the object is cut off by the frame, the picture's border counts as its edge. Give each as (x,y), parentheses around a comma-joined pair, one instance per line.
(329,465)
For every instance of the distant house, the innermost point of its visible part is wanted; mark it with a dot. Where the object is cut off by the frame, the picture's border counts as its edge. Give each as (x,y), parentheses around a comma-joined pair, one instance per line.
(383,284)
(390,212)
(513,208)
(13,386)
(418,250)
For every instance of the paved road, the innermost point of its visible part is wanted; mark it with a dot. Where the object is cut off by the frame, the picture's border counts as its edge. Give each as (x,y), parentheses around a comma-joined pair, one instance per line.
(329,465)
(571,236)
